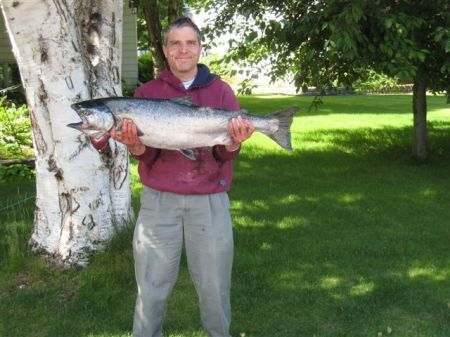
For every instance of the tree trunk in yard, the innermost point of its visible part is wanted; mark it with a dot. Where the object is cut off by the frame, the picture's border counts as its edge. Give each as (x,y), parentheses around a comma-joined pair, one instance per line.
(68,51)
(151,13)
(419,148)
(173,10)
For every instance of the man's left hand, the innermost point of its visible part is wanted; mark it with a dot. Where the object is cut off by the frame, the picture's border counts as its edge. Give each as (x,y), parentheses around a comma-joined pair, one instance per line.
(240,130)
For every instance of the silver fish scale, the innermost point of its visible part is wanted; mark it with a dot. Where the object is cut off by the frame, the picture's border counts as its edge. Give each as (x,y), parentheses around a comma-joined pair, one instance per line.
(174,124)
(170,125)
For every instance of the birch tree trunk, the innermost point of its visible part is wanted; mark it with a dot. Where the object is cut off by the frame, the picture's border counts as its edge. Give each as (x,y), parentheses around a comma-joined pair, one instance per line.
(68,51)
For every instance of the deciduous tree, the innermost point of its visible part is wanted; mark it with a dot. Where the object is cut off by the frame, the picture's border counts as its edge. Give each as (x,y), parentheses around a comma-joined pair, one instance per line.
(155,13)
(324,43)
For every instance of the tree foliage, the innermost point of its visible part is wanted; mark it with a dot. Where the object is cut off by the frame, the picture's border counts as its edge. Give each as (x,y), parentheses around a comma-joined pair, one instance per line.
(327,42)
(337,42)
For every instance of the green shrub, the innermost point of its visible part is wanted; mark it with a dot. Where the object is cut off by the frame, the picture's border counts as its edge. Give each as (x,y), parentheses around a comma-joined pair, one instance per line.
(128,90)
(18,171)
(145,68)
(17,95)
(378,83)
(15,130)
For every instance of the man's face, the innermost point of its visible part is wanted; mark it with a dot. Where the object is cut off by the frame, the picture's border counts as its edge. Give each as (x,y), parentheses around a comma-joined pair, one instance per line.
(182,52)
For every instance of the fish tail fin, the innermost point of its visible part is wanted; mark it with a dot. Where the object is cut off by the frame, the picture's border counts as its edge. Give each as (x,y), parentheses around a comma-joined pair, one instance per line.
(283,134)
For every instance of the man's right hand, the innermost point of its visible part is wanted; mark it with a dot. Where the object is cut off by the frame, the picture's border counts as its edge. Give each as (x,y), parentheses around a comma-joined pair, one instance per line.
(128,136)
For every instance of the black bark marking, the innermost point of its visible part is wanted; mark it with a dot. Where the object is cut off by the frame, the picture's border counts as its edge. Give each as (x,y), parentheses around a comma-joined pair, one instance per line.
(74,46)
(44,56)
(61,7)
(42,97)
(71,236)
(40,144)
(53,167)
(69,82)
(95,204)
(65,203)
(68,204)
(91,24)
(119,175)
(93,34)
(113,29)
(88,221)
(83,143)
(92,49)
(43,47)
(42,94)
(96,17)
(116,75)
(75,206)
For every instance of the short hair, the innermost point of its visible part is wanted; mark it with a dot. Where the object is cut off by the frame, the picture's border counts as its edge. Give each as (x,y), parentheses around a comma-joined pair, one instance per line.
(180,23)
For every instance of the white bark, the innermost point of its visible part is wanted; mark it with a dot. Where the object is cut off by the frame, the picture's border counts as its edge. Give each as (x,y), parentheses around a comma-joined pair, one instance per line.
(67,51)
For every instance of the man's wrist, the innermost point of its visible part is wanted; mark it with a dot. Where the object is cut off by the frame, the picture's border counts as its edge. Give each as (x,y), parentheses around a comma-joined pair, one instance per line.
(232,147)
(136,150)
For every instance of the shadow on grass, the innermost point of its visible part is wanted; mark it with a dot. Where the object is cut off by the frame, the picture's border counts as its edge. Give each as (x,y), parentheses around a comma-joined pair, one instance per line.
(346,241)
(351,242)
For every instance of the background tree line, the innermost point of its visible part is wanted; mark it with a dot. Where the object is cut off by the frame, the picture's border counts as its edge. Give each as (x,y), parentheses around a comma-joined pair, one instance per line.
(328,43)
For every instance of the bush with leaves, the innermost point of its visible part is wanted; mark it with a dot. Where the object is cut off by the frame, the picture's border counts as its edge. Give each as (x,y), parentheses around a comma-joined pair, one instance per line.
(15,139)
(377,83)
(17,171)
(145,68)
(15,130)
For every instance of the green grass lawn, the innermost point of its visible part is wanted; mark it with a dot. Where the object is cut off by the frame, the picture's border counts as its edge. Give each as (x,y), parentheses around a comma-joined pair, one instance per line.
(347,236)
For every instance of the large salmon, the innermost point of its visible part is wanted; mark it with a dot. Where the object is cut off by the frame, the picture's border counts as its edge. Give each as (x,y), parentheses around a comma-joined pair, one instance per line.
(176,124)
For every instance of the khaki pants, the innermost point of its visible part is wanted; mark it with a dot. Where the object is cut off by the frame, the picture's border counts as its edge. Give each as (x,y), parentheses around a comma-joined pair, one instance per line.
(205,224)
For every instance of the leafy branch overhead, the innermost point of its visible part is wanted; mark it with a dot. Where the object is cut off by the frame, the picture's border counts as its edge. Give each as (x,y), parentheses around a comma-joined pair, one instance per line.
(324,42)
(329,43)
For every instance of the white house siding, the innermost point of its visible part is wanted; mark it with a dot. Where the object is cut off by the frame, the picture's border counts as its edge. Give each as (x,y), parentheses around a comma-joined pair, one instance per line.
(129,51)
(6,55)
(129,48)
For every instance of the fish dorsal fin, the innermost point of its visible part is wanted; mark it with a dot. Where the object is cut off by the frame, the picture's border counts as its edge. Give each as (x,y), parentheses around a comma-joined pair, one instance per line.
(188,153)
(185,100)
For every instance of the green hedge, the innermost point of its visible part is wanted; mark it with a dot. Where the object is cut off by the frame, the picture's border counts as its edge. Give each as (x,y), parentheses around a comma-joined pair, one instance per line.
(15,139)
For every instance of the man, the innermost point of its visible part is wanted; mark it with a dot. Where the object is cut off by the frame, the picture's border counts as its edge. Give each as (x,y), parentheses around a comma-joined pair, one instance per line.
(183,199)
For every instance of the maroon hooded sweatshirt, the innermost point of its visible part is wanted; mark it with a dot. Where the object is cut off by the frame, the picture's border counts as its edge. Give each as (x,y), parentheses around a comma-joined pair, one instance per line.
(171,171)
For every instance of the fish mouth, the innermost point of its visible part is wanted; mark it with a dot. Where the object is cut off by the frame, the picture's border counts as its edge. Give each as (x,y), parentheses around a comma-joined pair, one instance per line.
(76,106)
(77,126)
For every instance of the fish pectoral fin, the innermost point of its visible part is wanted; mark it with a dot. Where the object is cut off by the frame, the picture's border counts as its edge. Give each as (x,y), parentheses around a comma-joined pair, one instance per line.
(187,153)
(139,132)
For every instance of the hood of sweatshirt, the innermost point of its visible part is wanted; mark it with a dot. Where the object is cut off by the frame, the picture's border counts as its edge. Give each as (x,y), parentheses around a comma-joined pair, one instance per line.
(203,78)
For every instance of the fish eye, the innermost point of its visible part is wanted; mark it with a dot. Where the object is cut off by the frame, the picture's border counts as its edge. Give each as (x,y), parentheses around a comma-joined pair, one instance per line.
(86,112)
